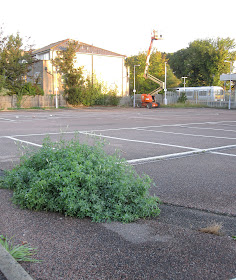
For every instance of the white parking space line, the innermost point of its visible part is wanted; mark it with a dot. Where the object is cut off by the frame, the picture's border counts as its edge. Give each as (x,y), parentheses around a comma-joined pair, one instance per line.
(22,141)
(140,160)
(4,119)
(147,118)
(137,141)
(39,134)
(233,125)
(224,154)
(209,128)
(188,134)
(175,155)
(150,159)
(121,128)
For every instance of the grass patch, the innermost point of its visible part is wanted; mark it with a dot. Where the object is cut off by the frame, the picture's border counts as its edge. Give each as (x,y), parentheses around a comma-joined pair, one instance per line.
(20,252)
(184,105)
(81,180)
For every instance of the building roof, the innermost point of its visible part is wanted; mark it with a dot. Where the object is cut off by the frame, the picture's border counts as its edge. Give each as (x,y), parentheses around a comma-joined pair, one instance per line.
(84,48)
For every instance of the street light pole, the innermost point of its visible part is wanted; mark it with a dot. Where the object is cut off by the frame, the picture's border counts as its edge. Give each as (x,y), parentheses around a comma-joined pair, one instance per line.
(184,81)
(165,100)
(56,89)
(229,82)
(134,90)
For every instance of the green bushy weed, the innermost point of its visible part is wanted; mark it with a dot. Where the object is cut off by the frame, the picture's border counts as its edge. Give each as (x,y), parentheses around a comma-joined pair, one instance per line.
(81,180)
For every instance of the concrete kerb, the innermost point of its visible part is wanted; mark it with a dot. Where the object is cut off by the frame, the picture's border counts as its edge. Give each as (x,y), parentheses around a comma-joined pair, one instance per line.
(11,269)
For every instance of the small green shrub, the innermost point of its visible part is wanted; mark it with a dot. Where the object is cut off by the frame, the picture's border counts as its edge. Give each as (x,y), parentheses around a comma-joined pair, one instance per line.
(20,252)
(183,98)
(31,89)
(107,99)
(83,181)
(28,89)
(74,95)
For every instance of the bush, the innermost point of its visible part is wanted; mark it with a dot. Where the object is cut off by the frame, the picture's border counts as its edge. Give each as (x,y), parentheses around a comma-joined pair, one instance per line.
(107,99)
(183,98)
(74,95)
(2,82)
(90,94)
(82,181)
(32,89)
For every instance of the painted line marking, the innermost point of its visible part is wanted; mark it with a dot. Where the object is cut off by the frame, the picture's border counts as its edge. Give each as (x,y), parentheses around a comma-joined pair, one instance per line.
(137,141)
(148,159)
(151,159)
(209,128)
(188,134)
(147,118)
(27,142)
(113,129)
(224,154)
(39,134)
(233,125)
(175,155)
(4,119)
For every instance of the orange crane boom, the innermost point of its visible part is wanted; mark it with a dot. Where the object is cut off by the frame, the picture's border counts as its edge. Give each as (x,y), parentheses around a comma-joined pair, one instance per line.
(146,75)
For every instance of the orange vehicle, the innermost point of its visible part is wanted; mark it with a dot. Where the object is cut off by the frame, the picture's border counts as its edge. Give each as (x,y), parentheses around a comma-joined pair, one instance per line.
(148,101)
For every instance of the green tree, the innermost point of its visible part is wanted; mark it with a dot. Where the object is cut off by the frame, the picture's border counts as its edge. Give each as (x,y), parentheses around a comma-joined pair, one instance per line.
(77,89)
(15,63)
(156,69)
(203,61)
(65,62)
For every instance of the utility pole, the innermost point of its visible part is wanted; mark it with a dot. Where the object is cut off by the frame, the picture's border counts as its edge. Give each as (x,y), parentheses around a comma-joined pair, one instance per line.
(134,90)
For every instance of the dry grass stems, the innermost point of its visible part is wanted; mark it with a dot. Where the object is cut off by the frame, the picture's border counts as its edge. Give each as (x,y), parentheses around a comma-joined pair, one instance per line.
(214,228)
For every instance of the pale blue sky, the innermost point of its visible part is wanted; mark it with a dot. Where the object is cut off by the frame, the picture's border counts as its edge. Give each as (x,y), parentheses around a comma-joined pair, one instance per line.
(121,26)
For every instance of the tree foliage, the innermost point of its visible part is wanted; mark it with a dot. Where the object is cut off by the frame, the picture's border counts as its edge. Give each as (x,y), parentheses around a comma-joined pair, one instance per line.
(156,69)
(65,63)
(15,63)
(77,88)
(203,61)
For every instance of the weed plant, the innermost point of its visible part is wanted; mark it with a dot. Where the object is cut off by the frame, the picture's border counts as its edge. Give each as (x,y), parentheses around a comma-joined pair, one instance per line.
(81,180)
(21,253)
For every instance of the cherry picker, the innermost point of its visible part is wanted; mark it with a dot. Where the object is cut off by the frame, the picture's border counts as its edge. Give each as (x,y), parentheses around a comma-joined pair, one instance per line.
(148,100)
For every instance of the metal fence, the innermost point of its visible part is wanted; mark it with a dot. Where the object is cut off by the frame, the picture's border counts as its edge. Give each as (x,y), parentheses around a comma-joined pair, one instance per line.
(172,98)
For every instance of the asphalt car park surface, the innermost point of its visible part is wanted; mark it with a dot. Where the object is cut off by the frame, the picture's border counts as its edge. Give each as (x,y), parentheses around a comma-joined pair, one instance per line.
(191,156)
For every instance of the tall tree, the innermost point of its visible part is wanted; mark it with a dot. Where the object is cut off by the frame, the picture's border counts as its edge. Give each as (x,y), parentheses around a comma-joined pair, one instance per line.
(156,69)
(15,63)
(65,62)
(203,61)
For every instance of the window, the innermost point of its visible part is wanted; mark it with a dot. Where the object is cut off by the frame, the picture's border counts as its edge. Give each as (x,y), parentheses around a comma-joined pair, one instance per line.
(189,93)
(219,92)
(202,93)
